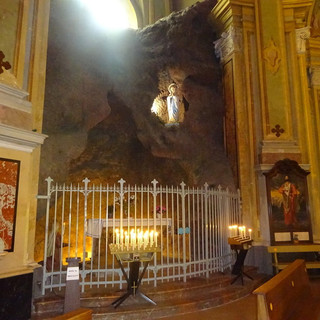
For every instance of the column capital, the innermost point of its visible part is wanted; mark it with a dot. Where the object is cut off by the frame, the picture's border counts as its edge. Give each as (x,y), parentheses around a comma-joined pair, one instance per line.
(302,34)
(230,42)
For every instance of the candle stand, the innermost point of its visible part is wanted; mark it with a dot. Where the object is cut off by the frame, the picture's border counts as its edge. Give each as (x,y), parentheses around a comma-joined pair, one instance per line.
(240,245)
(134,256)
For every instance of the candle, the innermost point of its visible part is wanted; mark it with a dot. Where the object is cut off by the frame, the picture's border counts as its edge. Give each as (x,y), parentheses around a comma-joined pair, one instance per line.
(235,227)
(230,231)
(121,241)
(151,238)
(127,241)
(139,240)
(117,237)
(133,239)
(146,239)
(234,231)
(250,233)
(240,231)
(156,238)
(121,236)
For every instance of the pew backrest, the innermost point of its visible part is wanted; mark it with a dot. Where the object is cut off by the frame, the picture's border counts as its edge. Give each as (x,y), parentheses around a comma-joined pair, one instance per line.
(278,297)
(79,314)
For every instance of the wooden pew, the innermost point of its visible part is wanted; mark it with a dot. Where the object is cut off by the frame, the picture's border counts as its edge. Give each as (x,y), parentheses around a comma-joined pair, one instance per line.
(79,314)
(288,296)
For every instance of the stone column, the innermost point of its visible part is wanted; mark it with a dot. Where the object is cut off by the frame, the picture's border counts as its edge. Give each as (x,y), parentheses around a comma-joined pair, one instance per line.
(237,50)
(303,70)
(265,78)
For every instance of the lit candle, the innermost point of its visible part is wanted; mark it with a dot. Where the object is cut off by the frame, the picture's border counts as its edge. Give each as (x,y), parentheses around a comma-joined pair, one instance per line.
(235,227)
(126,240)
(146,239)
(121,241)
(133,239)
(117,237)
(244,231)
(139,239)
(151,238)
(230,231)
(156,238)
(250,233)
(121,236)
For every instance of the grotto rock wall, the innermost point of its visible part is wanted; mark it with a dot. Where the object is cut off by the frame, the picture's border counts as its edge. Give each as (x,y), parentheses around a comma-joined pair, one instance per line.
(100,89)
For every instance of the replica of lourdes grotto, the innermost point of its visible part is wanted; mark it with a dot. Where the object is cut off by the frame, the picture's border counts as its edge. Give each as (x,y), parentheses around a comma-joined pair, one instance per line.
(159,159)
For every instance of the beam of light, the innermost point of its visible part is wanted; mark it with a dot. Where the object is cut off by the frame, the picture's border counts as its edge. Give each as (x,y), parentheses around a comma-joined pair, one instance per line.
(109,14)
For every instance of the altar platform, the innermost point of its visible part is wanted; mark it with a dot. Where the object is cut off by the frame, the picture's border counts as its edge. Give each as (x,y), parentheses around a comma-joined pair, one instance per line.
(173,299)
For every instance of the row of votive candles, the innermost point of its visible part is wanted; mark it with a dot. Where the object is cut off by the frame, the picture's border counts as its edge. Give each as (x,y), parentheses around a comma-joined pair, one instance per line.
(138,239)
(240,231)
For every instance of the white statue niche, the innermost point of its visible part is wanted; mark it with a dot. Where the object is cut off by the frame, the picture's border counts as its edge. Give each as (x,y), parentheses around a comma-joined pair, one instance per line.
(169,107)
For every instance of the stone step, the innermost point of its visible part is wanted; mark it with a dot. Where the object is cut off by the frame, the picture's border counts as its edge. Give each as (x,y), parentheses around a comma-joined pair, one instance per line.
(177,289)
(173,306)
(171,298)
(105,296)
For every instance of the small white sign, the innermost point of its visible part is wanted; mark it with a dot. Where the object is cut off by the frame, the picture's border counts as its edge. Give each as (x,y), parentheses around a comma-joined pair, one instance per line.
(282,236)
(302,236)
(72,273)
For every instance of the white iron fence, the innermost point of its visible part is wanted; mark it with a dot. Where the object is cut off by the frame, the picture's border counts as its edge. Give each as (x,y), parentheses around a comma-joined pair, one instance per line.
(81,220)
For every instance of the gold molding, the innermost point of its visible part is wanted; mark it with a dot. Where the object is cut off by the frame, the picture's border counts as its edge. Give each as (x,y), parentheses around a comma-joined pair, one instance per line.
(229,12)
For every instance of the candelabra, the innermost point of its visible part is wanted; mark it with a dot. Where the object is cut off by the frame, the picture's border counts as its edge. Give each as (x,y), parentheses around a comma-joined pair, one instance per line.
(240,242)
(134,248)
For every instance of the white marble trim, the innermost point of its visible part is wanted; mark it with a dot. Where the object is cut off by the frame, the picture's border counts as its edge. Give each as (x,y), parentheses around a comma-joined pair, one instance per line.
(14,98)
(20,139)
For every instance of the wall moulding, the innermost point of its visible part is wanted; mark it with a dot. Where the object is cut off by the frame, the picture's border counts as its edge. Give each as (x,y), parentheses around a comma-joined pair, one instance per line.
(14,98)
(20,139)
(272,151)
(265,167)
(279,146)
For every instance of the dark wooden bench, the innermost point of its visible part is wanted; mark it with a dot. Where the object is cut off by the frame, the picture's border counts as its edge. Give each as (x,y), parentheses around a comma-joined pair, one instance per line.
(288,296)
(79,314)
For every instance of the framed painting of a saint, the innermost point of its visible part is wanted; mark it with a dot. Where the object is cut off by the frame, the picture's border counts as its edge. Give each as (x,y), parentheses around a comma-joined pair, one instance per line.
(9,181)
(287,195)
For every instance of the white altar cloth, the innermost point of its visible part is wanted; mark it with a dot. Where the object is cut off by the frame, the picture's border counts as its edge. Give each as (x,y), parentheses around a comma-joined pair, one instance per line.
(94,226)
